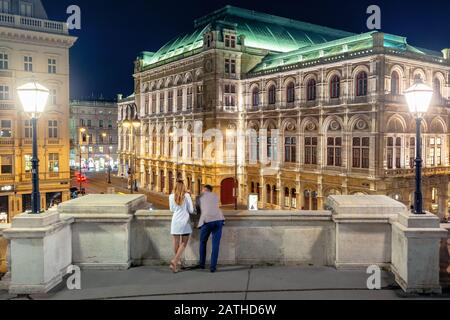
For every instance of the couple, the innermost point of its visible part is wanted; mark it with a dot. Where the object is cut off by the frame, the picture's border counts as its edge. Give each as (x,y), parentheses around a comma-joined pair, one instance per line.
(211,223)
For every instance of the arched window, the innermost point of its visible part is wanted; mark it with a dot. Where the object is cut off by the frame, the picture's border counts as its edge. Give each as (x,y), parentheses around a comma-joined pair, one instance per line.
(293,198)
(335,87)
(272,95)
(290,93)
(437,87)
(274,195)
(268,194)
(311,90)
(255,97)
(287,199)
(395,83)
(361,84)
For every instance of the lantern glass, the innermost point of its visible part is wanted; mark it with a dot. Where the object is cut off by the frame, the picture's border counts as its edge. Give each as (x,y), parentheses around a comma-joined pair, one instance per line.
(419,97)
(33,97)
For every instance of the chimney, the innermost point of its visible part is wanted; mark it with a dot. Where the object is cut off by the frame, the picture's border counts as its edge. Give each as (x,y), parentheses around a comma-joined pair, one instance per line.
(378,39)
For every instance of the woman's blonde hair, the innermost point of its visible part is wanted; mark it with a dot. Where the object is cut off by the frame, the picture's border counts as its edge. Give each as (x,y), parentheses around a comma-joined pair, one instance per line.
(180,193)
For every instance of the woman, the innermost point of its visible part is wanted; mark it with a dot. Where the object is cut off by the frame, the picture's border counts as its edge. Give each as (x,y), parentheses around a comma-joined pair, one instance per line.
(181,206)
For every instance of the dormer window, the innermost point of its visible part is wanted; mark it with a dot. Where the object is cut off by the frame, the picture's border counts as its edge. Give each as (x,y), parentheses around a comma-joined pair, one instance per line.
(230,41)
(26,9)
(5,6)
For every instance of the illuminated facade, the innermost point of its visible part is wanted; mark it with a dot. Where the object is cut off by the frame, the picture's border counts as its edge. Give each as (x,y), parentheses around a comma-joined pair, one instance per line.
(31,46)
(96,146)
(327,107)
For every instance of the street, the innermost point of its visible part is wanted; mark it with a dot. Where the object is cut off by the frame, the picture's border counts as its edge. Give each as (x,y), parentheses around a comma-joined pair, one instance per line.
(97,183)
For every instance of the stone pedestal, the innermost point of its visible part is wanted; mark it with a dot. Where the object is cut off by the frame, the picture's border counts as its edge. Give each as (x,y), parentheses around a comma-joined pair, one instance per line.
(40,252)
(363,229)
(415,252)
(102,229)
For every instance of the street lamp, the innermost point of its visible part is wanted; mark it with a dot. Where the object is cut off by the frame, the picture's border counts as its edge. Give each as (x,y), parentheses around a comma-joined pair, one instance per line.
(82,131)
(33,97)
(136,124)
(109,167)
(419,98)
(231,133)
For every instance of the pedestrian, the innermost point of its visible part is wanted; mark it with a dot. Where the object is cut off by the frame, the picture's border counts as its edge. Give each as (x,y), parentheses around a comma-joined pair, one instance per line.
(181,206)
(211,222)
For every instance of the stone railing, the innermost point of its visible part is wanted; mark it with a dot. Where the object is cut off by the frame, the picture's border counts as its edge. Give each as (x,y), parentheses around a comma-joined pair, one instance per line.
(249,238)
(16,21)
(110,232)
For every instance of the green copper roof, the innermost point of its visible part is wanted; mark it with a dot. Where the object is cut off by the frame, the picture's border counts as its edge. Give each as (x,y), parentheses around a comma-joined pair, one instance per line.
(261,31)
(337,48)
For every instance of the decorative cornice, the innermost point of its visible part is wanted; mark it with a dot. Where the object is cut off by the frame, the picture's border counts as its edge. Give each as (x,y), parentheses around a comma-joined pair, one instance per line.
(37,38)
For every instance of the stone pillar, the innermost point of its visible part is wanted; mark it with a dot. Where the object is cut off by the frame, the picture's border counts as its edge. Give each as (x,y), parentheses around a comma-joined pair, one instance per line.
(443,200)
(41,252)
(101,234)
(363,230)
(415,252)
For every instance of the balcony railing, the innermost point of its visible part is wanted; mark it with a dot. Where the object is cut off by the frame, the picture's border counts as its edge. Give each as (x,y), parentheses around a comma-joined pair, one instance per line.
(429,171)
(7,106)
(16,21)
(9,142)
(53,141)
(6,178)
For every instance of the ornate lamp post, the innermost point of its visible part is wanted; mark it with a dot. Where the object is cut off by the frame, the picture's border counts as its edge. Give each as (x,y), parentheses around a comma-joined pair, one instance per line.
(134,125)
(109,166)
(33,97)
(82,131)
(419,98)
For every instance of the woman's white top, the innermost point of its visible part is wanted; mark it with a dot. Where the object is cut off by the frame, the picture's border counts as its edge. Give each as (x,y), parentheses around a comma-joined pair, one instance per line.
(181,215)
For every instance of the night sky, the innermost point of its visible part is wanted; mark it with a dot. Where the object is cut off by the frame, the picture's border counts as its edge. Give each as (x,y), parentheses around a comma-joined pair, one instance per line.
(114,32)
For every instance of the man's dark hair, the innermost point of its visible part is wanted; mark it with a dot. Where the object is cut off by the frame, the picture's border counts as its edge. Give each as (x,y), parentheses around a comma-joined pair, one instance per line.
(209,188)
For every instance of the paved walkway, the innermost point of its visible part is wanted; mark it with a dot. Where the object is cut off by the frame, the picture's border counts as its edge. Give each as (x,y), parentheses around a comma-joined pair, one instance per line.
(229,283)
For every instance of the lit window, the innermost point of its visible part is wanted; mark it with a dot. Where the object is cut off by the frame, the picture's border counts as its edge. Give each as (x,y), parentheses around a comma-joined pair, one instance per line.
(6,164)
(5,129)
(28,163)
(199,96)
(53,162)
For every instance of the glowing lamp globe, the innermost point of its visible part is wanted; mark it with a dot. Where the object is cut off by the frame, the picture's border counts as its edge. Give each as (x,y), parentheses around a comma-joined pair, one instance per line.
(126,124)
(419,97)
(33,97)
(136,123)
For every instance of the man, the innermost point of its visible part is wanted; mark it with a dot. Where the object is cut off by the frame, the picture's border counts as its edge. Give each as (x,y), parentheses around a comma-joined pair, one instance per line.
(211,223)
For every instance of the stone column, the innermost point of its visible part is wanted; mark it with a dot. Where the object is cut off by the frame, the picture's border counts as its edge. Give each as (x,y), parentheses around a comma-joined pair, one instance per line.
(415,252)
(443,200)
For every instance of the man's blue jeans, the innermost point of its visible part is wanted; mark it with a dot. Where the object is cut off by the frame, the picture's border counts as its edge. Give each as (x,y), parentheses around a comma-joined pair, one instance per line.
(214,228)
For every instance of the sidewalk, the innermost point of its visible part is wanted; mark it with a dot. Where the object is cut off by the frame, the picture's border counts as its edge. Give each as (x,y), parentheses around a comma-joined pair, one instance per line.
(229,283)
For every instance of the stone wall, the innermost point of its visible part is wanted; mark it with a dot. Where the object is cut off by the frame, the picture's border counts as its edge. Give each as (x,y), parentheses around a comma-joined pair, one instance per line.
(269,237)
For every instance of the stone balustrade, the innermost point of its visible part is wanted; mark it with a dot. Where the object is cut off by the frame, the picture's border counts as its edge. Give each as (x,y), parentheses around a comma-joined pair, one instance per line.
(3,249)
(111,232)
